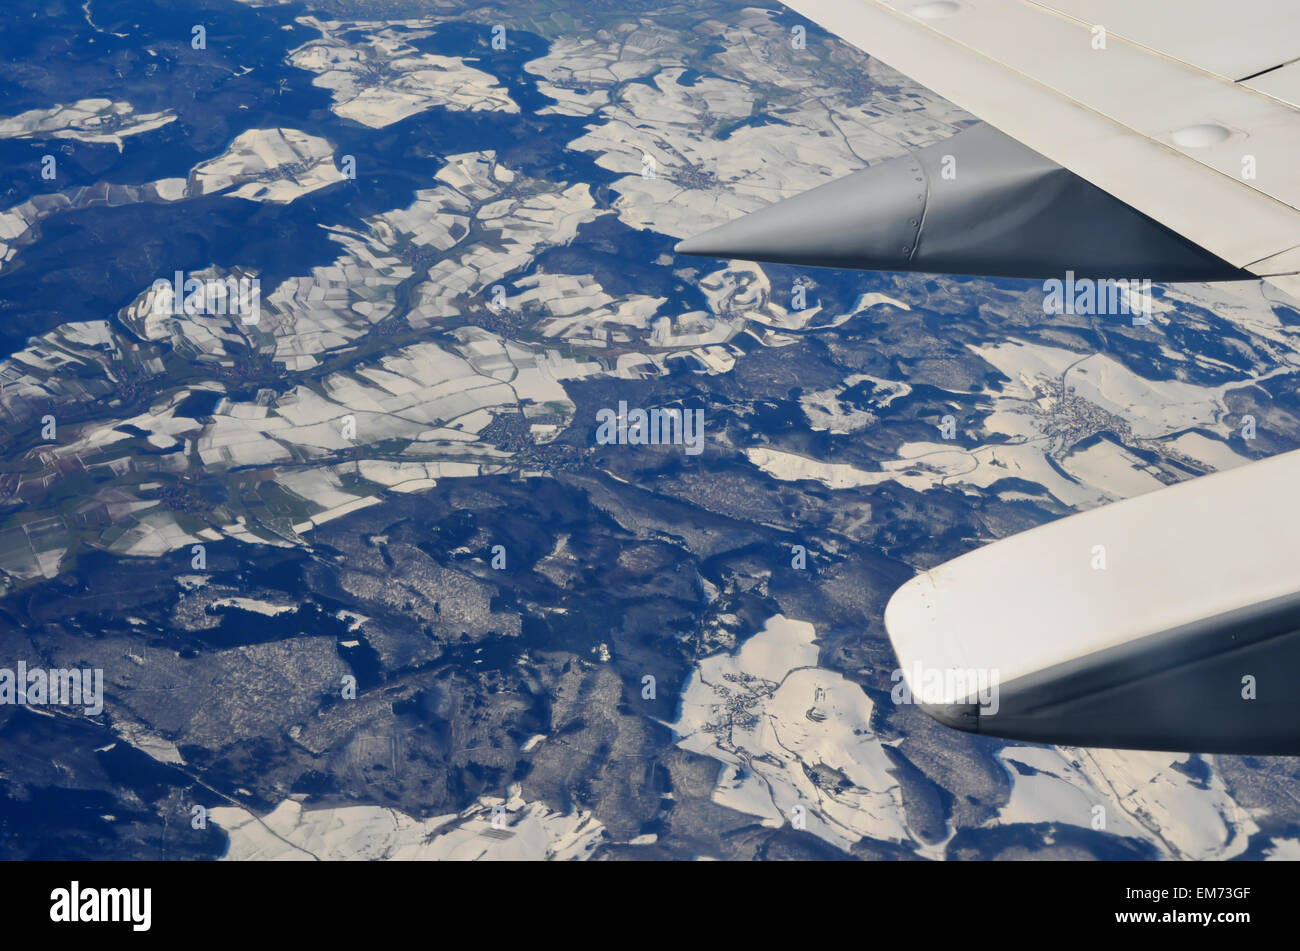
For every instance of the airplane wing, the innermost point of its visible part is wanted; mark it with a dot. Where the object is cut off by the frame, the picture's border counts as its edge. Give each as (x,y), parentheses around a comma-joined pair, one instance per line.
(1186,112)
(1168,621)
(1152,138)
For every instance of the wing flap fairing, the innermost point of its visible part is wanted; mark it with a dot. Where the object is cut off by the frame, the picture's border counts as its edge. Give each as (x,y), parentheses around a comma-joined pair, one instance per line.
(1169,621)
(978,203)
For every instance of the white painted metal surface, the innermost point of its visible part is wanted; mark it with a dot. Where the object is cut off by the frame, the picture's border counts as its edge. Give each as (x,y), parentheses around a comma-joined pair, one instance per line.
(1282,83)
(1230,39)
(1196,550)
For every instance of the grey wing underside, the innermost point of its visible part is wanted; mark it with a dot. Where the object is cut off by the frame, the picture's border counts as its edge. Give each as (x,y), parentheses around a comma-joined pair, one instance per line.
(979,203)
